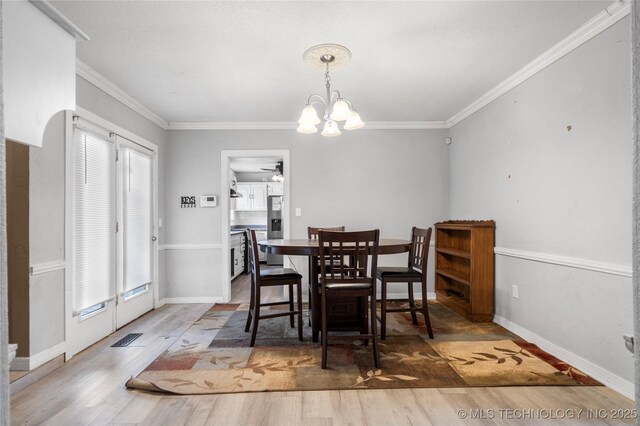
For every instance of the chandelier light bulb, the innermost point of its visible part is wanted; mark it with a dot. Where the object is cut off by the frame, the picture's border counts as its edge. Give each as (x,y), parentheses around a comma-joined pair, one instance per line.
(354,122)
(331,129)
(309,116)
(307,129)
(341,110)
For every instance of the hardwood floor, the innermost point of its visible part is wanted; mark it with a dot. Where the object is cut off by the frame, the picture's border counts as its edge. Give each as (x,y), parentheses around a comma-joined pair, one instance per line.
(89,389)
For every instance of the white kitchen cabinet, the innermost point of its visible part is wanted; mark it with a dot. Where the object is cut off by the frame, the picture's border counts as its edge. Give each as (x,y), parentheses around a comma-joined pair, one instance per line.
(243,202)
(237,243)
(254,196)
(275,188)
(259,197)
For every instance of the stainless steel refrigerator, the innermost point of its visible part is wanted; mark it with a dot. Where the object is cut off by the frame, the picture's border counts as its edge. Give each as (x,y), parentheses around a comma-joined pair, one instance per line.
(275,227)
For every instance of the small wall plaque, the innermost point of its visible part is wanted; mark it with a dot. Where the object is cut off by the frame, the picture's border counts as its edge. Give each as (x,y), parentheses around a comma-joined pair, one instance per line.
(188,201)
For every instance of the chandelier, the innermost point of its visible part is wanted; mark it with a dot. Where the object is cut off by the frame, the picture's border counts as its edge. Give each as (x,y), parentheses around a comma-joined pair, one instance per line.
(336,108)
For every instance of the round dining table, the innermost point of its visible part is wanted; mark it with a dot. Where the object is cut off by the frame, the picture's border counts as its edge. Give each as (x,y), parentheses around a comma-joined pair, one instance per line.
(348,315)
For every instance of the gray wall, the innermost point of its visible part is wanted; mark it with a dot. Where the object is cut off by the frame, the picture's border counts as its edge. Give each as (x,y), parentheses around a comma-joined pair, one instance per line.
(561,192)
(387,179)
(46,236)
(47,203)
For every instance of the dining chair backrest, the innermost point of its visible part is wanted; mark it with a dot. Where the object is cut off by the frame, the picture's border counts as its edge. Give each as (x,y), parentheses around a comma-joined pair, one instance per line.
(312,232)
(354,245)
(254,259)
(419,251)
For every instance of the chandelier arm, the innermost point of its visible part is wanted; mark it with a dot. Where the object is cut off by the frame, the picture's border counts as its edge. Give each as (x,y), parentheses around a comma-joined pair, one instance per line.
(321,101)
(317,96)
(335,92)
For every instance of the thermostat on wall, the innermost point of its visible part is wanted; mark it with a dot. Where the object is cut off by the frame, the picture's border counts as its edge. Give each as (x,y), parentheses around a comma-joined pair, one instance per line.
(208,201)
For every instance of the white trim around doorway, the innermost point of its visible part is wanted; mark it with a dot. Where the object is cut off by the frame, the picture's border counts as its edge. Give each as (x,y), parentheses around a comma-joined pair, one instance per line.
(225,185)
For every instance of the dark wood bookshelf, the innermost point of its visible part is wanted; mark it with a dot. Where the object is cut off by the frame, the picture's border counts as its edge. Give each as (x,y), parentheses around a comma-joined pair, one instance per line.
(464,274)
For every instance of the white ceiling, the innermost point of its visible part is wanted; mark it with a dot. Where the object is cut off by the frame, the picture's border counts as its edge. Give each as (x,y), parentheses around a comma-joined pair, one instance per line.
(240,61)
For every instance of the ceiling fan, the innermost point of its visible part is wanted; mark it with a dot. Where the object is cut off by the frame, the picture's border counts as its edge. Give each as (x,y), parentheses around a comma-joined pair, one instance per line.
(276,168)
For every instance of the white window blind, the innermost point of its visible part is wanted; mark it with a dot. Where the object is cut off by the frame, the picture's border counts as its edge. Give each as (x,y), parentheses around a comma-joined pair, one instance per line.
(94,220)
(137,226)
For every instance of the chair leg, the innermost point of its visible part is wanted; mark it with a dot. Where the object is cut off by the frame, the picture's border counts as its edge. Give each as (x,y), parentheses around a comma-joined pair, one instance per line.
(299,286)
(309,299)
(374,333)
(425,311)
(251,306)
(324,339)
(291,306)
(256,317)
(412,305)
(383,310)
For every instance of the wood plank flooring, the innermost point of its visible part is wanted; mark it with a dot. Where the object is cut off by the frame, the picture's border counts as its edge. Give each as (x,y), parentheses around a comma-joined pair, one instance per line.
(89,389)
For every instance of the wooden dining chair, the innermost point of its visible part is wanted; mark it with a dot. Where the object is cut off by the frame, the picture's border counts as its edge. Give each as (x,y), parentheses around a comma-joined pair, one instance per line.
(339,279)
(268,278)
(312,232)
(314,262)
(415,272)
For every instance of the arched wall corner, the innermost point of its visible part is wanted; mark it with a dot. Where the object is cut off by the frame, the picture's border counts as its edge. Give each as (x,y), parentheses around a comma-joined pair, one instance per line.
(39,60)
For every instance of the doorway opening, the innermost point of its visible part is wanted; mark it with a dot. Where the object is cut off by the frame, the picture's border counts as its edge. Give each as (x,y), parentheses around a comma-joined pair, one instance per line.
(254,195)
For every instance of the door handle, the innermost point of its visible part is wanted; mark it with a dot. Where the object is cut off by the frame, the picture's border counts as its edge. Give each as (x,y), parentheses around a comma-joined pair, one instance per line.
(154,238)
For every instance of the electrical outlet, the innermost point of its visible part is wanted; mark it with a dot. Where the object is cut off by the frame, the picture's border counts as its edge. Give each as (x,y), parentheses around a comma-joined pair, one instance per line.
(514,291)
(298,211)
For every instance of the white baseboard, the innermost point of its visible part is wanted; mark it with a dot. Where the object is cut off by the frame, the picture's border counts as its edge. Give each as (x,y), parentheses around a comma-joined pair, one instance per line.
(609,379)
(191,300)
(28,363)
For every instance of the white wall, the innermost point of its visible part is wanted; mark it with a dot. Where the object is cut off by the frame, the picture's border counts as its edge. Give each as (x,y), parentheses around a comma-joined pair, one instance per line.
(387,179)
(559,192)
(47,203)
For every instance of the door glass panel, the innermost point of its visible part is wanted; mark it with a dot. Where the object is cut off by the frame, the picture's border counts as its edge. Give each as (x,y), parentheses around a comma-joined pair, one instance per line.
(137,226)
(94,221)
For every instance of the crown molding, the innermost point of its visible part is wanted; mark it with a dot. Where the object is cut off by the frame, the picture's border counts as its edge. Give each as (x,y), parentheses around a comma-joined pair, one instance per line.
(230,125)
(104,84)
(56,16)
(239,125)
(406,125)
(603,20)
(586,32)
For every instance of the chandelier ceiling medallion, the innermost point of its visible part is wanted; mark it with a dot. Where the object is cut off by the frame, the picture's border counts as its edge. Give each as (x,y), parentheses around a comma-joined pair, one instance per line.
(336,108)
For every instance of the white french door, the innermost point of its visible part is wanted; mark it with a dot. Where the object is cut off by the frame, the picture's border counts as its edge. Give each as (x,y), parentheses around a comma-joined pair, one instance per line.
(112,234)
(135,235)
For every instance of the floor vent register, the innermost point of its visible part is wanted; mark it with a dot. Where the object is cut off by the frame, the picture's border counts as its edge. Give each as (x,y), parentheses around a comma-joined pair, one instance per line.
(126,340)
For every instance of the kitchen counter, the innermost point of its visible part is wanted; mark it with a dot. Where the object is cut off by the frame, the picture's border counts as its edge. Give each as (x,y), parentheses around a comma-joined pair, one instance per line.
(242,228)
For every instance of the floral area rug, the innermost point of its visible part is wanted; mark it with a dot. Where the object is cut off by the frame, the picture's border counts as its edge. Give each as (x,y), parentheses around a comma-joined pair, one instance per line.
(213,356)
